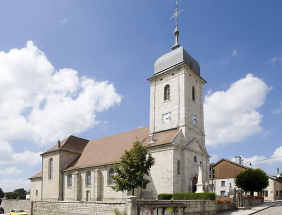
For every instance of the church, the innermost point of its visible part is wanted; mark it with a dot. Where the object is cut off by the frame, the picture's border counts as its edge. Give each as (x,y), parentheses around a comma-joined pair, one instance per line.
(77,169)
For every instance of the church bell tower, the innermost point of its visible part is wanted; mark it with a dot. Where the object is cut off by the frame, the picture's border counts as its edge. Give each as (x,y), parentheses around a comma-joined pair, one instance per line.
(176,92)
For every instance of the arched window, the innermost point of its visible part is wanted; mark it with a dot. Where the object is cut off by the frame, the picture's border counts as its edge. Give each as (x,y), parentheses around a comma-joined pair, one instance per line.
(111,180)
(178,167)
(69,180)
(166,92)
(193,93)
(50,169)
(88,179)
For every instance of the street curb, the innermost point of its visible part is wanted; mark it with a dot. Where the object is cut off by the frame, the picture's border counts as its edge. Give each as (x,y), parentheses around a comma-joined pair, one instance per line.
(262,209)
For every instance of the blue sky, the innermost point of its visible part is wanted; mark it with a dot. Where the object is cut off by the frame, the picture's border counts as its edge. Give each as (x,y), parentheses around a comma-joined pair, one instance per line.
(81,68)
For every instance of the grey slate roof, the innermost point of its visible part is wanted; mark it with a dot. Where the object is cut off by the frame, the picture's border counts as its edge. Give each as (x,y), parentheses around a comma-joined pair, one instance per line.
(176,57)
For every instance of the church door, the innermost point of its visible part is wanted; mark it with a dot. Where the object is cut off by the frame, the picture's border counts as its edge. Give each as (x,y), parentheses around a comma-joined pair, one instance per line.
(194,184)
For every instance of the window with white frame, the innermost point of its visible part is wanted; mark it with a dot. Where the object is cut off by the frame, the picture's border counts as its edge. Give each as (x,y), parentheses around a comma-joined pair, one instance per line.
(223,183)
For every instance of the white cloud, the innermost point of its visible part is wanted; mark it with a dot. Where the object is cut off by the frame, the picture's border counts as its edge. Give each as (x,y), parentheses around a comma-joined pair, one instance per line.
(224,62)
(274,61)
(277,156)
(277,110)
(9,185)
(255,160)
(231,116)
(64,21)
(26,157)
(265,134)
(234,53)
(227,59)
(213,159)
(43,105)
(10,171)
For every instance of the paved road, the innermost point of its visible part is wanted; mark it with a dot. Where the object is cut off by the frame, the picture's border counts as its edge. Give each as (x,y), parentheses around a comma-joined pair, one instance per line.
(276,209)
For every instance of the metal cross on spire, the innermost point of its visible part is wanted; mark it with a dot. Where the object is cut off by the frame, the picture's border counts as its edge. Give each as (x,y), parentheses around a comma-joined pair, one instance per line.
(176,32)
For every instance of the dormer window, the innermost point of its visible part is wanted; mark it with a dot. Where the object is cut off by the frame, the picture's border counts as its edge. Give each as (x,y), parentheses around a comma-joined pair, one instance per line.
(166,92)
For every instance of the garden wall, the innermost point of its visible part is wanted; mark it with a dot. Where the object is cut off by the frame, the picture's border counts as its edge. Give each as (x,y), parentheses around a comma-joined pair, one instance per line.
(74,208)
(9,205)
(196,207)
(252,202)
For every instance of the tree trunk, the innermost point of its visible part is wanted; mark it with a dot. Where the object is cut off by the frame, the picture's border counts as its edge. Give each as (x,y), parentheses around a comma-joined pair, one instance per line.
(133,192)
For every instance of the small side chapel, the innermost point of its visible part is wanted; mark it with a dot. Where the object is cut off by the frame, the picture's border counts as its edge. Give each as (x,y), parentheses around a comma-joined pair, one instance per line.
(77,169)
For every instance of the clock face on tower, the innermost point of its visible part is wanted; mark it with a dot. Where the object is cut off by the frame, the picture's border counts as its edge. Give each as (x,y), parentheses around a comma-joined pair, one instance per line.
(194,120)
(167,118)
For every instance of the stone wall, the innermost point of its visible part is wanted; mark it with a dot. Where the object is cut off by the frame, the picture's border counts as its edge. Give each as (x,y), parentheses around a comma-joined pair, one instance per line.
(196,207)
(9,205)
(252,202)
(74,208)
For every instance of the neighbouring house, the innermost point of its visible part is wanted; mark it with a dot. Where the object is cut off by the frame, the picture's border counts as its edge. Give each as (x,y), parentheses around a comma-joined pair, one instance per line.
(226,170)
(77,169)
(224,173)
(27,195)
(274,189)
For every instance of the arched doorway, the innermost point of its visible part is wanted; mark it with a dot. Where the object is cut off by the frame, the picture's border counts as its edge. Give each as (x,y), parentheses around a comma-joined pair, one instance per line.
(194,184)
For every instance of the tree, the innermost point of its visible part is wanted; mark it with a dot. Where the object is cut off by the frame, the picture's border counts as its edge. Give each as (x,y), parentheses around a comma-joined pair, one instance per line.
(2,194)
(252,180)
(17,194)
(134,165)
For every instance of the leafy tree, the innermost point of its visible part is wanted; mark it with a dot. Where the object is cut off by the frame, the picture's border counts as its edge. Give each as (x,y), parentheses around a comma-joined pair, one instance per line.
(252,180)
(17,194)
(2,194)
(134,165)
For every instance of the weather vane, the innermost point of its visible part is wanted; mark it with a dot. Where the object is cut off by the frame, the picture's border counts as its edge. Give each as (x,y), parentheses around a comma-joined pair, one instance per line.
(176,32)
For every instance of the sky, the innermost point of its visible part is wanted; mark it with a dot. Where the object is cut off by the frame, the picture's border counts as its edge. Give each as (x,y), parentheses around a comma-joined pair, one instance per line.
(72,67)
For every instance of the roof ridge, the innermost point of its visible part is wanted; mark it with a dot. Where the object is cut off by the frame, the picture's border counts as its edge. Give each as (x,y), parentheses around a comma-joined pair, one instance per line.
(119,133)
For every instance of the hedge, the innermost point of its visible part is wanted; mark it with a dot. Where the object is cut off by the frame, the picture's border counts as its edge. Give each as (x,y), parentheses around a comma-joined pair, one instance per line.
(165,196)
(187,196)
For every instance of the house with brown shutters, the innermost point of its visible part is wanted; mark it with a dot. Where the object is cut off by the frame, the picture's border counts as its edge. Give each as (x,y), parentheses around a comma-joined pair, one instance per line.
(77,169)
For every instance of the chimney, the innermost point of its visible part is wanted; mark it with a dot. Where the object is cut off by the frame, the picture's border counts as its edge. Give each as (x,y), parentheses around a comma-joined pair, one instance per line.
(251,165)
(59,144)
(278,173)
(238,160)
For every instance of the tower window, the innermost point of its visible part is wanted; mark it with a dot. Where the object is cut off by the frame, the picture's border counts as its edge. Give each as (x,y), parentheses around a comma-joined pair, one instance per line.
(50,169)
(166,92)
(193,94)
(178,167)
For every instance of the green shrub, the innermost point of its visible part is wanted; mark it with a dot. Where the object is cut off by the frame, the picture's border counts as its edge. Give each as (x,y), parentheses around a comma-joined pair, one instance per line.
(187,196)
(165,196)
(193,196)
